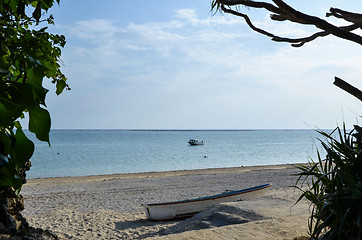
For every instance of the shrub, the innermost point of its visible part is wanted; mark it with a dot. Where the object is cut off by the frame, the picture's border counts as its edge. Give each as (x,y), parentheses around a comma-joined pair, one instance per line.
(334,186)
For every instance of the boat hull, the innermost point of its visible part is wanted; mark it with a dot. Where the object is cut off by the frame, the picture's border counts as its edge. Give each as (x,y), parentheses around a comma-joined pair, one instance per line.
(194,142)
(189,207)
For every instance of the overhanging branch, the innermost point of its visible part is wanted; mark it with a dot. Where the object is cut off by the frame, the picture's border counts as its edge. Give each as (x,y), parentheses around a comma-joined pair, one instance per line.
(248,21)
(280,11)
(348,16)
(303,18)
(348,87)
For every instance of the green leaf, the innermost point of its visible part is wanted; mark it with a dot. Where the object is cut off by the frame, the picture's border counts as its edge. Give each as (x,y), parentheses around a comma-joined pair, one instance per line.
(5,177)
(13,5)
(8,115)
(21,9)
(39,123)
(5,143)
(37,12)
(17,124)
(60,86)
(24,148)
(36,76)
(21,95)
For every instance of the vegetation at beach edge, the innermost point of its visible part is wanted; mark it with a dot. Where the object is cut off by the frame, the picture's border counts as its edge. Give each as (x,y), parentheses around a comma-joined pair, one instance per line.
(333,186)
(28,55)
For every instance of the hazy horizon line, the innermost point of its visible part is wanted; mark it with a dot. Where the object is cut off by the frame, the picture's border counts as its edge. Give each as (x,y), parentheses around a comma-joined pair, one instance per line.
(155,129)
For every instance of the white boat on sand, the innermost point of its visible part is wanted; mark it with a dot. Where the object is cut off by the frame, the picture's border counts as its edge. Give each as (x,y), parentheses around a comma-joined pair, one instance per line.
(189,207)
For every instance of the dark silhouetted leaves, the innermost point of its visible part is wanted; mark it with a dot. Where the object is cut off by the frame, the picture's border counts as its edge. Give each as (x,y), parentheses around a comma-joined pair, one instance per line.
(334,186)
(23,149)
(39,123)
(28,56)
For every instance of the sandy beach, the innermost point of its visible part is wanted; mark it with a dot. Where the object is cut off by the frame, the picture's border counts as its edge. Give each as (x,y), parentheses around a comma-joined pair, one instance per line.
(109,206)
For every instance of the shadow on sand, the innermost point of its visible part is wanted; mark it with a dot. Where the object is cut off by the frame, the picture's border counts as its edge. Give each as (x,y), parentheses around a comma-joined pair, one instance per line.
(217,216)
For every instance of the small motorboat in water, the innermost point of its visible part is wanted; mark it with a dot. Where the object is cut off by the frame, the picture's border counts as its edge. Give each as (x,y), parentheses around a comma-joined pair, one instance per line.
(196,142)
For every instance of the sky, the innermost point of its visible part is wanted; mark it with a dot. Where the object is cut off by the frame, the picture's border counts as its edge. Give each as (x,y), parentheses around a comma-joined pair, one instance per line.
(175,65)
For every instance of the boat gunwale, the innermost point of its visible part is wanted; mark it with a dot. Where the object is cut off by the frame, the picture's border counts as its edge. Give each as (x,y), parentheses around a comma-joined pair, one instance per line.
(213,197)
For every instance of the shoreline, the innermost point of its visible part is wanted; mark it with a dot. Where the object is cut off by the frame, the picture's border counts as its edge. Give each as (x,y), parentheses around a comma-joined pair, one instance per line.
(164,173)
(109,206)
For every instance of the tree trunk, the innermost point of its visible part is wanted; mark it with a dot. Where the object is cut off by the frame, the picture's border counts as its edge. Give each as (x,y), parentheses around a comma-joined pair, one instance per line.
(12,224)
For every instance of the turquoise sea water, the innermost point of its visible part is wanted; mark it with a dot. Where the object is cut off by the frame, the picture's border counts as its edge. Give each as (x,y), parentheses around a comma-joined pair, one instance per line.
(94,152)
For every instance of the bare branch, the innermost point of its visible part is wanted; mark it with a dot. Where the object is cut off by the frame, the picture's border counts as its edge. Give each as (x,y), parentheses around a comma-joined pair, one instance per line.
(319,23)
(253,4)
(348,16)
(248,21)
(277,17)
(298,42)
(301,41)
(348,88)
(283,12)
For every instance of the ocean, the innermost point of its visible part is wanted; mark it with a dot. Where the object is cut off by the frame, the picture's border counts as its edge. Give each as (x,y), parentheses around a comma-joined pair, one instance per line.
(96,152)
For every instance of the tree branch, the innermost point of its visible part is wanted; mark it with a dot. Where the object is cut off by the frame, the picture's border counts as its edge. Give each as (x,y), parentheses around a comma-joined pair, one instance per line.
(248,3)
(348,16)
(283,12)
(248,21)
(348,87)
(303,18)
(298,42)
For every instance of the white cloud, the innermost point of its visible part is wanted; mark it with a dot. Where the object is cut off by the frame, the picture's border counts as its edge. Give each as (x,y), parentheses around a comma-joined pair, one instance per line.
(188,14)
(156,31)
(92,29)
(155,67)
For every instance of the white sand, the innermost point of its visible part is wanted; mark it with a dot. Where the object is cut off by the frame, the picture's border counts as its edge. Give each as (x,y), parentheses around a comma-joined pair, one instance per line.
(109,206)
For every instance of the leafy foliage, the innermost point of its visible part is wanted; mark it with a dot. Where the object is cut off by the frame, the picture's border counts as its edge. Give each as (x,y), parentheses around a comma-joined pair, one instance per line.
(28,55)
(334,186)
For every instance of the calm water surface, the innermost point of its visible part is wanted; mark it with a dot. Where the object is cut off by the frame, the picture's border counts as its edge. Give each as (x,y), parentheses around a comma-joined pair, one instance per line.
(93,152)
